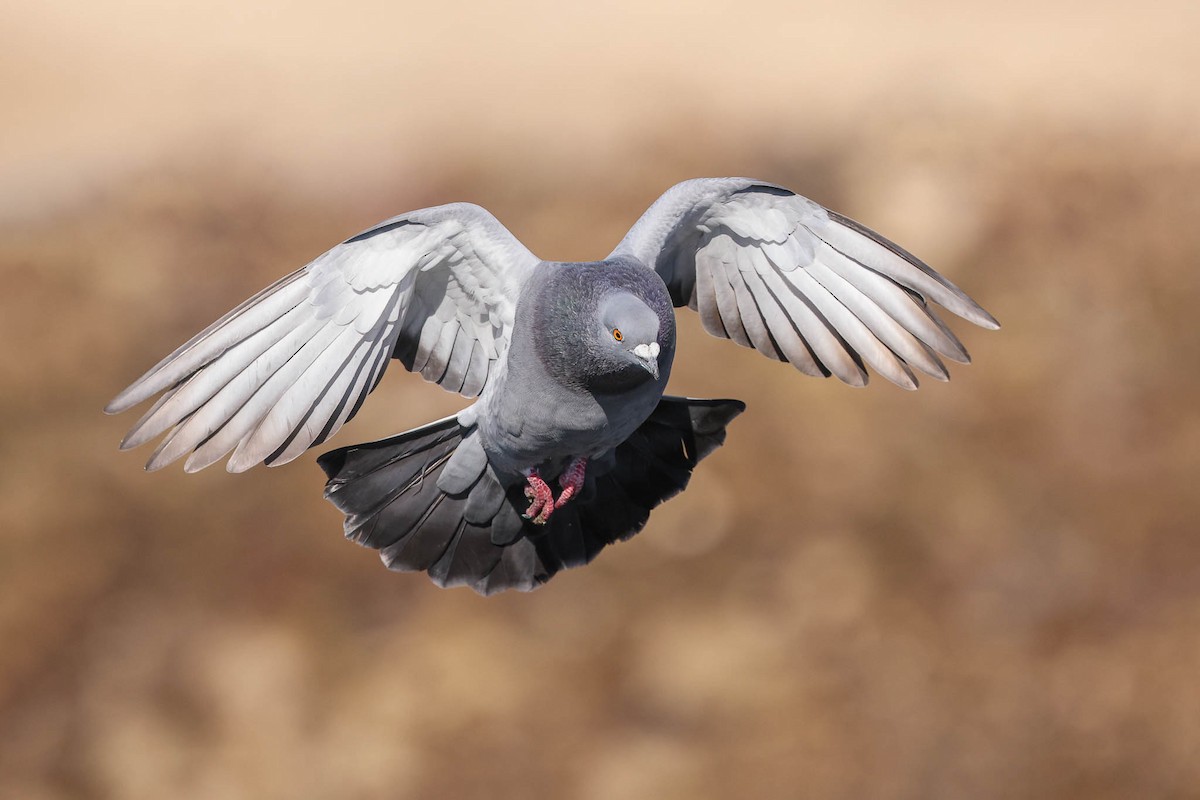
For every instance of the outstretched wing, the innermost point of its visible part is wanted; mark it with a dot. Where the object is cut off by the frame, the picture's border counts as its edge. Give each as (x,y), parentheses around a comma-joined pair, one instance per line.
(774,271)
(436,289)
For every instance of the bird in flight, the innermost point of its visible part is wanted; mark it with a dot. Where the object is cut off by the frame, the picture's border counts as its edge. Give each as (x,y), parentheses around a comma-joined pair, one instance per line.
(571,441)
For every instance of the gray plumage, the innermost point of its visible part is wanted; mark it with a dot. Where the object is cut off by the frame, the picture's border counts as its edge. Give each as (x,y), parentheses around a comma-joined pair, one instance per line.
(568,362)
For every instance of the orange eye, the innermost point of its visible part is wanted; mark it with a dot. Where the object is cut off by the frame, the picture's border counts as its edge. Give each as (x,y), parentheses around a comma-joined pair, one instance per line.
(620,337)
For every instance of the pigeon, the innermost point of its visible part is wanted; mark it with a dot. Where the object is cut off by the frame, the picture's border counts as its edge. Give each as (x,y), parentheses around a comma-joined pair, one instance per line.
(571,441)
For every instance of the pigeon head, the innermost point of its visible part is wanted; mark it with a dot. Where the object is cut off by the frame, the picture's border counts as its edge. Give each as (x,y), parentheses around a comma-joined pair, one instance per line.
(628,334)
(606,328)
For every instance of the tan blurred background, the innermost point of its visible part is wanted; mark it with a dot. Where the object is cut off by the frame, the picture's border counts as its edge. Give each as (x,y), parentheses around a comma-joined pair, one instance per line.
(986,589)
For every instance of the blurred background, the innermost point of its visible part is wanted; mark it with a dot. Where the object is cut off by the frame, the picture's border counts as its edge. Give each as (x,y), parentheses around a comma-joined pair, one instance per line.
(988,588)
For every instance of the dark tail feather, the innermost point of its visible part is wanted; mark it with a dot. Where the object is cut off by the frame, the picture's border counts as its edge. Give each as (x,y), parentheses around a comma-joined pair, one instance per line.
(365,480)
(651,466)
(390,495)
(389,492)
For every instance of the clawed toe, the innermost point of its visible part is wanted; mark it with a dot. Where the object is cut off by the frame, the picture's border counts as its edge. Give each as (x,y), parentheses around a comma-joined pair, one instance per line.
(538,491)
(542,503)
(571,480)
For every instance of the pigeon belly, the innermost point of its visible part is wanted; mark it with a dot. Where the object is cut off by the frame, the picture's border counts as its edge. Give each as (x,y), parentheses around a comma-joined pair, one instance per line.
(548,428)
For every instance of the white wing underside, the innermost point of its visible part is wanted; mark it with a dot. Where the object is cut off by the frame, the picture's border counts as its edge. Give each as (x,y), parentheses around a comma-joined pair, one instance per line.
(287,368)
(774,271)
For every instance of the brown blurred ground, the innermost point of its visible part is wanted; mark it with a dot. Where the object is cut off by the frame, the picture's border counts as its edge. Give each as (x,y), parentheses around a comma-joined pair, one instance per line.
(986,589)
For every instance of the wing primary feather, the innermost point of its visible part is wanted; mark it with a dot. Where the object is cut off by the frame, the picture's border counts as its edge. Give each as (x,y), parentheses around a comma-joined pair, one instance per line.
(901,304)
(886,329)
(783,330)
(828,347)
(300,427)
(296,430)
(351,410)
(376,377)
(753,322)
(278,411)
(869,248)
(957,350)
(213,415)
(232,414)
(365,380)
(203,384)
(352,402)
(248,318)
(128,442)
(361,388)
(851,329)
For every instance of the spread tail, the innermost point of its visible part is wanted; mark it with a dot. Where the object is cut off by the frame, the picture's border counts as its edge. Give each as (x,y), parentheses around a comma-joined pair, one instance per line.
(428,499)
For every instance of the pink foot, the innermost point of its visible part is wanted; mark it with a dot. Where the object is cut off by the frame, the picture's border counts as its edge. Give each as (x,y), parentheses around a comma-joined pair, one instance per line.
(571,480)
(539,492)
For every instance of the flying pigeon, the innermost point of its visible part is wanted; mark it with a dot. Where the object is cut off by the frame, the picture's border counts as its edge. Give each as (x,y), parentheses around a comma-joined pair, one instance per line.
(571,441)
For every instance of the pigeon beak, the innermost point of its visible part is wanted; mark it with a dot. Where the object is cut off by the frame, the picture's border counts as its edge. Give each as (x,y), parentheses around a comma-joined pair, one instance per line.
(648,353)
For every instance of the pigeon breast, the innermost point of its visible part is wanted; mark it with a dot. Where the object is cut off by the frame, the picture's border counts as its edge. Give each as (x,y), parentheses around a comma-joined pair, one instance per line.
(556,400)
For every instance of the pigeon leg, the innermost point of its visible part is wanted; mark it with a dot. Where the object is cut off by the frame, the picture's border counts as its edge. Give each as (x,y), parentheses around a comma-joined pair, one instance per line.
(571,480)
(538,491)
